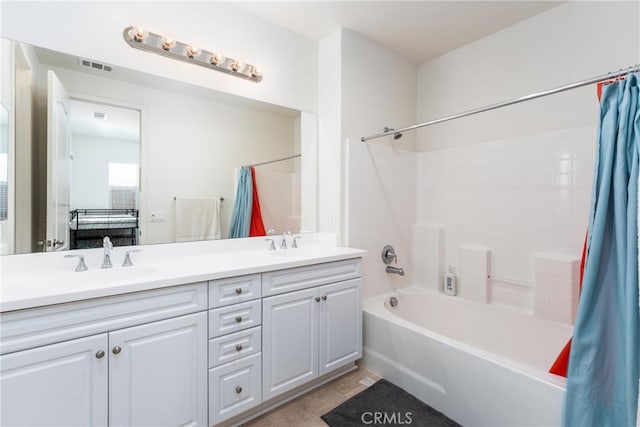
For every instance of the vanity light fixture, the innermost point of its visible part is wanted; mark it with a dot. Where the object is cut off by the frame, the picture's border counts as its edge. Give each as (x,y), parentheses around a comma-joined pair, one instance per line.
(168,44)
(217,59)
(139,38)
(237,66)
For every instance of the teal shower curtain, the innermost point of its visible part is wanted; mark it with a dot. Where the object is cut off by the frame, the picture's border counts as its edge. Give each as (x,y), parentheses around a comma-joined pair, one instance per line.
(602,379)
(241,216)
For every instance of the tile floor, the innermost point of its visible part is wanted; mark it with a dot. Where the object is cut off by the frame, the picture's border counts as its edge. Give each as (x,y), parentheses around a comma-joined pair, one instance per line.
(305,411)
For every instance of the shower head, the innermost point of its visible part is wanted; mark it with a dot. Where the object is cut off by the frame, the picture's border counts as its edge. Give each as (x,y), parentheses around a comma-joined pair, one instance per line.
(396,135)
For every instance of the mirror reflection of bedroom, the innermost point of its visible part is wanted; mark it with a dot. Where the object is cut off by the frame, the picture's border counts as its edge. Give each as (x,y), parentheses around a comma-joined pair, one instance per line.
(105,171)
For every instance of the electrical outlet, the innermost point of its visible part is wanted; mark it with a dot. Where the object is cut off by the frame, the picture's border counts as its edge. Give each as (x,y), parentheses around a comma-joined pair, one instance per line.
(157,217)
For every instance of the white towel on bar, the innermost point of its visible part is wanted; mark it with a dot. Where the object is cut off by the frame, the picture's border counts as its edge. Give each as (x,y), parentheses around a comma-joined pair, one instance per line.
(197,219)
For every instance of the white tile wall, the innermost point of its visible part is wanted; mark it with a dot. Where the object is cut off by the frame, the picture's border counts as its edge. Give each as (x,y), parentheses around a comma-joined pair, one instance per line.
(428,255)
(556,287)
(474,272)
(519,197)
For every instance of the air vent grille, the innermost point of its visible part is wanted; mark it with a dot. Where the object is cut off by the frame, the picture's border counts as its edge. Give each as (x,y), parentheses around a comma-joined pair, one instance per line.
(95,65)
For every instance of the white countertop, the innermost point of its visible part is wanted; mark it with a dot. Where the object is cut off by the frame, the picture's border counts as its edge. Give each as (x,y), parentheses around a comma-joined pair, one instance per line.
(35,280)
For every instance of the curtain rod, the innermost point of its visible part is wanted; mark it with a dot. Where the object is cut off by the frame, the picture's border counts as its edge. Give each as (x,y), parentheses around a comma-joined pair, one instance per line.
(274,161)
(598,79)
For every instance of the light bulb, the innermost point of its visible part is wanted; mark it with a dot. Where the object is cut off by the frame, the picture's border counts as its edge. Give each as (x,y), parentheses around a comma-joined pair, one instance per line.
(193,51)
(217,59)
(256,71)
(237,65)
(167,43)
(138,34)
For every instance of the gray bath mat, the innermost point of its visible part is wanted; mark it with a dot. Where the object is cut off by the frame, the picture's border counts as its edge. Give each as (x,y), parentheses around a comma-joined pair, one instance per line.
(384,404)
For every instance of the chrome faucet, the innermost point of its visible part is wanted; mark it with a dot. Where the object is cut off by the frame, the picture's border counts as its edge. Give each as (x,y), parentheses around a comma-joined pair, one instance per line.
(107,245)
(127,257)
(285,235)
(81,265)
(272,245)
(395,270)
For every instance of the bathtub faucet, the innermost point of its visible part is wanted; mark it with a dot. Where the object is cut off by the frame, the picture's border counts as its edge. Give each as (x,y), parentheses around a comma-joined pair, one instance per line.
(394,270)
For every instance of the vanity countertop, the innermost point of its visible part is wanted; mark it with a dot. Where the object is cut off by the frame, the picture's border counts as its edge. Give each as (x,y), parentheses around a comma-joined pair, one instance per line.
(51,278)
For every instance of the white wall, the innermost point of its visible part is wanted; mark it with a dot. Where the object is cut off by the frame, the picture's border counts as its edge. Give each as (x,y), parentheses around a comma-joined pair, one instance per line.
(190,146)
(90,167)
(329,133)
(570,42)
(378,89)
(94,30)
(518,180)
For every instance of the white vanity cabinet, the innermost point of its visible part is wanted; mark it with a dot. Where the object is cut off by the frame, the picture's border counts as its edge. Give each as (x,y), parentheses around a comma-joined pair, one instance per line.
(200,354)
(310,332)
(152,373)
(63,384)
(156,373)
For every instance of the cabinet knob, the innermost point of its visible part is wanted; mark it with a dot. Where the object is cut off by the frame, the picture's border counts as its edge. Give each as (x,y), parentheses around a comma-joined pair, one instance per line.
(238,319)
(239,347)
(324,298)
(116,350)
(317,299)
(238,291)
(100,354)
(238,389)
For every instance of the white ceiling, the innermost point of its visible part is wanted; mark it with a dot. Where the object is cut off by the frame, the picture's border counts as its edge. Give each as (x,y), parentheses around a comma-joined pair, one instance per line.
(417,30)
(121,123)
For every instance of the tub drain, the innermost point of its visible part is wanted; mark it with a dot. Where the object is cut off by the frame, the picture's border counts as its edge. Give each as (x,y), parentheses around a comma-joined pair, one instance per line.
(393,301)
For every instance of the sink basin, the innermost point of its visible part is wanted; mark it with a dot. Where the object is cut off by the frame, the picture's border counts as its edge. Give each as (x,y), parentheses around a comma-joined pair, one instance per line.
(115,274)
(93,276)
(301,252)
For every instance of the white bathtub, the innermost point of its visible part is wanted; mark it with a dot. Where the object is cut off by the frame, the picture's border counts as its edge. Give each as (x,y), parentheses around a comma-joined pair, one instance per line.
(480,365)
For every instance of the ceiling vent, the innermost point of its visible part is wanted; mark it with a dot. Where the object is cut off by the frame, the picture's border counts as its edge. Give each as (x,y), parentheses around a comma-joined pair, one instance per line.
(100,116)
(95,65)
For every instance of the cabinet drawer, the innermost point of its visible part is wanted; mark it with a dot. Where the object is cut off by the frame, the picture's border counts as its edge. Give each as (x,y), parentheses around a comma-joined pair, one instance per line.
(293,279)
(234,387)
(233,318)
(234,289)
(234,346)
(34,327)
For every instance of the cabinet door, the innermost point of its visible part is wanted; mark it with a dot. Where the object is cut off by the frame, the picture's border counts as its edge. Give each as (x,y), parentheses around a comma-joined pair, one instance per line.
(289,341)
(158,373)
(340,325)
(61,384)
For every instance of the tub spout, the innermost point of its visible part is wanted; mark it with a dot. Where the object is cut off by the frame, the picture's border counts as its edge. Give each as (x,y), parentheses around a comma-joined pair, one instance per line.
(395,270)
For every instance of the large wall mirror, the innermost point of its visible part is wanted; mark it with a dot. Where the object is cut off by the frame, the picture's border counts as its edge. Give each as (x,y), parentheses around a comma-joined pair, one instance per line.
(147,160)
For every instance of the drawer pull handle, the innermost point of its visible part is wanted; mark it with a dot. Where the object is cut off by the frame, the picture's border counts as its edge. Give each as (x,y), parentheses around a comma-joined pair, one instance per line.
(116,350)
(324,298)
(238,291)
(317,299)
(238,319)
(239,347)
(100,354)
(238,389)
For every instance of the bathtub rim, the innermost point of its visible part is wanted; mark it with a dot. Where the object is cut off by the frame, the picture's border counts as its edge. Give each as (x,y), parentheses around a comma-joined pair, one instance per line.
(375,306)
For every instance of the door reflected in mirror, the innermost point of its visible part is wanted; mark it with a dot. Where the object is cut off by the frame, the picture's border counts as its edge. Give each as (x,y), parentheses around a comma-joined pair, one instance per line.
(104,174)
(139,144)
(4,181)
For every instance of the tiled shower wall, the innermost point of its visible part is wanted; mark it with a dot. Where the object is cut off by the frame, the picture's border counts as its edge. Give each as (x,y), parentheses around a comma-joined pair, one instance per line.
(519,198)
